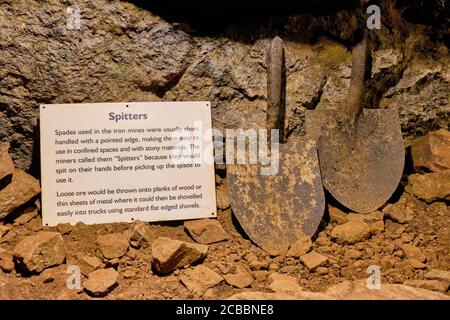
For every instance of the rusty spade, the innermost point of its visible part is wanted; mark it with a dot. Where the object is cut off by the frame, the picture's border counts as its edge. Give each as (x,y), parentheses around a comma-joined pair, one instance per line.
(361,151)
(275,209)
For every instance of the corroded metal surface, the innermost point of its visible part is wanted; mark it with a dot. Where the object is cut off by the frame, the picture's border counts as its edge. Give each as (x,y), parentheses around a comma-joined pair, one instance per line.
(275,210)
(361,167)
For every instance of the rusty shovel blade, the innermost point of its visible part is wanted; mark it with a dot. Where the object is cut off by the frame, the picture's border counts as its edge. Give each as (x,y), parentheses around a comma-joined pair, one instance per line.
(275,210)
(361,151)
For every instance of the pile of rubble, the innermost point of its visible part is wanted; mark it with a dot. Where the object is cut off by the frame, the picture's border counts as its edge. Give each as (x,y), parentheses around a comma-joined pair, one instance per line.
(208,258)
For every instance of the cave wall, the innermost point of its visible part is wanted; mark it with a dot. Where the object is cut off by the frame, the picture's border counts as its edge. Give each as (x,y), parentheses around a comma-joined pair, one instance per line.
(131,52)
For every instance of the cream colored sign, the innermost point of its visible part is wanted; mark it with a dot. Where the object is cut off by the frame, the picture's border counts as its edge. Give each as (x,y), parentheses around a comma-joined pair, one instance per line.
(119,162)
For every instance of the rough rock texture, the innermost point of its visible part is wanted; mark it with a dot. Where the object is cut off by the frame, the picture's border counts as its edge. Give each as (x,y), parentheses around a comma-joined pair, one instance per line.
(6,163)
(313,260)
(169,254)
(432,151)
(22,188)
(200,278)
(124,53)
(399,213)
(284,283)
(113,245)
(438,275)
(205,231)
(40,251)
(351,232)
(431,186)
(6,262)
(337,215)
(435,285)
(101,282)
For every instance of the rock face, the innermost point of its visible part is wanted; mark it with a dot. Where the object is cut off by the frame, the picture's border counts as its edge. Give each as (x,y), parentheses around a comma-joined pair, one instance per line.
(438,275)
(399,213)
(431,186)
(6,262)
(130,54)
(351,232)
(6,163)
(40,251)
(200,278)
(101,282)
(205,231)
(113,245)
(413,252)
(169,254)
(432,151)
(22,189)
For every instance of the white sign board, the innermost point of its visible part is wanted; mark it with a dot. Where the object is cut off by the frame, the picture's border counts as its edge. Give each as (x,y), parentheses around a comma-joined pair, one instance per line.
(120,162)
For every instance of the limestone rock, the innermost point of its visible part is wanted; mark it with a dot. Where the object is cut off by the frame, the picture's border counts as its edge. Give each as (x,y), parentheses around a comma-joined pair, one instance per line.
(300,247)
(431,186)
(313,260)
(284,283)
(101,282)
(241,278)
(351,232)
(200,278)
(6,163)
(22,188)
(113,245)
(40,251)
(205,231)
(88,264)
(141,235)
(434,285)
(432,151)
(169,254)
(438,275)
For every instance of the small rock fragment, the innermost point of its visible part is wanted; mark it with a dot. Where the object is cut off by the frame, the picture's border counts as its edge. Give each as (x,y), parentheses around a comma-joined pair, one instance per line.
(113,245)
(284,283)
(300,247)
(26,216)
(313,260)
(412,252)
(169,254)
(22,188)
(434,285)
(377,227)
(438,275)
(88,264)
(101,282)
(240,279)
(141,235)
(337,216)
(431,186)
(205,231)
(128,274)
(416,264)
(4,229)
(200,278)
(6,262)
(64,228)
(222,198)
(351,232)
(399,213)
(432,151)
(40,251)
